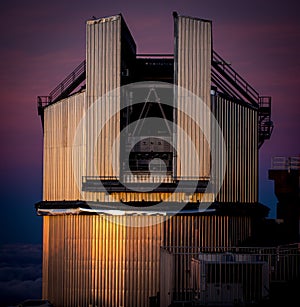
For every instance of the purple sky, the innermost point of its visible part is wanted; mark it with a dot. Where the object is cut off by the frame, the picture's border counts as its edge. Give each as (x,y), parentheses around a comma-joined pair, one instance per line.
(43,41)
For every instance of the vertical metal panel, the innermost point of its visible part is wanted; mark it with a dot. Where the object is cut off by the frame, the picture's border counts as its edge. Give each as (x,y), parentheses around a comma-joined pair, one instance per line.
(193,73)
(89,260)
(103,56)
(142,260)
(166,277)
(62,118)
(208,230)
(46,255)
(60,123)
(239,126)
(84,266)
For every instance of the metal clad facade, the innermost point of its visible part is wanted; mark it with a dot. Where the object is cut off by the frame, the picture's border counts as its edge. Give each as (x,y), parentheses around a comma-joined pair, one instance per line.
(238,123)
(239,126)
(88,260)
(103,57)
(60,123)
(166,277)
(193,73)
(206,230)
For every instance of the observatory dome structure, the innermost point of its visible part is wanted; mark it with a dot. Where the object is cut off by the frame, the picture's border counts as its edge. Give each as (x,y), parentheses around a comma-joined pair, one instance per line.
(143,151)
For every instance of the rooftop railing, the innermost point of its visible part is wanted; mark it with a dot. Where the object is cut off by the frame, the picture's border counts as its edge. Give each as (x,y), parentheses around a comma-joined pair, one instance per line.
(286,163)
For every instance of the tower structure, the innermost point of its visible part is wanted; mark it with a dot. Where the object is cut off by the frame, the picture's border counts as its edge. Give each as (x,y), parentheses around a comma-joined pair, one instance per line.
(142,151)
(285,172)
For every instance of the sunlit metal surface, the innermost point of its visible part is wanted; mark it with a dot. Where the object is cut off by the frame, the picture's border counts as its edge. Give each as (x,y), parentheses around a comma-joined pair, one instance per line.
(192,72)
(90,260)
(61,121)
(103,64)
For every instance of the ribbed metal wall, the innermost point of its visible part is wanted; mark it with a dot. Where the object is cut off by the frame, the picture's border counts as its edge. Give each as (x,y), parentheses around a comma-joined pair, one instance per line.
(60,123)
(61,120)
(90,261)
(238,122)
(239,126)
(103,71)
(206,230)
(192,58)
(166,277)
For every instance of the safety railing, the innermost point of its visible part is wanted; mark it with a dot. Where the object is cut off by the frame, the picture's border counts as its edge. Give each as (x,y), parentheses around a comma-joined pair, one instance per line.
(225,276)
(234,78)
(68,81)
(286,163)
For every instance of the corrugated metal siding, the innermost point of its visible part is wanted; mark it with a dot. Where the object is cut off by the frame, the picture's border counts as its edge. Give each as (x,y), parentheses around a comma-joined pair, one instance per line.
(239,127)
(193,73)
(206,230)
(103,57)
(166,277)
(142,261)
(88,260)
(238,123)
(60,123)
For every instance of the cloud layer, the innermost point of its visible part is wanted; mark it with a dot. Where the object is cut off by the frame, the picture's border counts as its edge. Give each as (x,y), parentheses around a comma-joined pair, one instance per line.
(20,273)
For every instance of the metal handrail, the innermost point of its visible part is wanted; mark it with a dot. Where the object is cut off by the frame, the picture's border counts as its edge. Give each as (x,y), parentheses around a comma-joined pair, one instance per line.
(117,178)
(241,82)
(264,101)
(69,80)
(43,100)
(286,163)
(155,55)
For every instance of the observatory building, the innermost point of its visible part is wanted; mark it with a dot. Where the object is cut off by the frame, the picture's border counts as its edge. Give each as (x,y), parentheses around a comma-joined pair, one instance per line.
(144,152)
(285,172)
